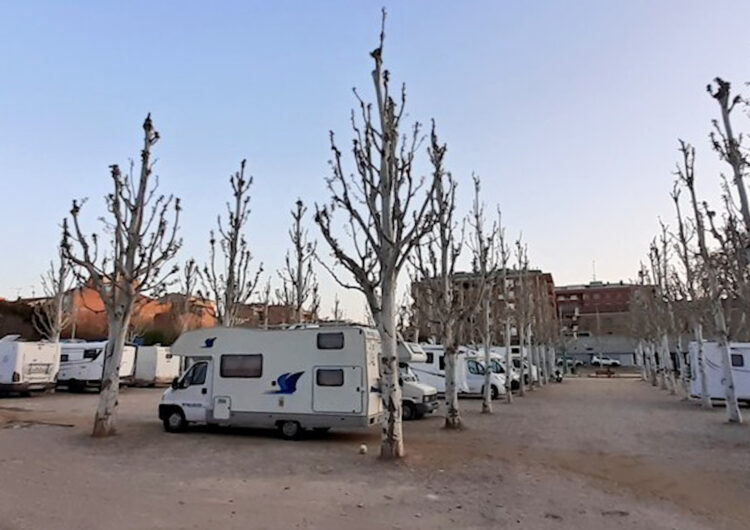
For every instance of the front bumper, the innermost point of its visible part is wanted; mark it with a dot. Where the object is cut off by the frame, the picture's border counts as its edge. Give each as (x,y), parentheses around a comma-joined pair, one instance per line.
(427,406)
(26,386)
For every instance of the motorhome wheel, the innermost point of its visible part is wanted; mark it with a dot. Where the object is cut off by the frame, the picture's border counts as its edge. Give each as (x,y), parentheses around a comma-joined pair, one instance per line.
(175,421)
(290,430)
(409,411)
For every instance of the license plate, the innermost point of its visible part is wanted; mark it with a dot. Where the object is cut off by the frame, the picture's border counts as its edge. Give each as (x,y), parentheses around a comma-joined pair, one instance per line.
(38,369)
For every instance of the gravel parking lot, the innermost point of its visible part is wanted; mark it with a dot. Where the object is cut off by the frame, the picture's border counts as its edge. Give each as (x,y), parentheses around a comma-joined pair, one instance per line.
(587,453)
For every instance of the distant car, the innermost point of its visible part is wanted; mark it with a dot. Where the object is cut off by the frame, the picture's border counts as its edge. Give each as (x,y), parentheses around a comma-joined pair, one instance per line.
(604,361)
(572,363)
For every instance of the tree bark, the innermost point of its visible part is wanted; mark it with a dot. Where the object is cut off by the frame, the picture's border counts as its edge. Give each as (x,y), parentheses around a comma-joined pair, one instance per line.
(521,343)
(705,397)
(452,414)
(392,442)
(508,356)
(487,398)
(106,412)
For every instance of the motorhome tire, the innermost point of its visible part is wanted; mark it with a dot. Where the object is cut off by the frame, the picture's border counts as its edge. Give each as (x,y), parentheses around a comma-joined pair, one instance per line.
(408,411)
(290,430)
(174,421)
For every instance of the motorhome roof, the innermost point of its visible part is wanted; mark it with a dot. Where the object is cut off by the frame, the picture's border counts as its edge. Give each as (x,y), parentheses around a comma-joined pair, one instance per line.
(200,342)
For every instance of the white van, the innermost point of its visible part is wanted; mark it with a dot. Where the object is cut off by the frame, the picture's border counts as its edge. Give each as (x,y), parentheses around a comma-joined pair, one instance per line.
(417,398)
(475,372)
(82,365)
(740,360)
(497,365)
(27,366)
(291,379)
(155,365)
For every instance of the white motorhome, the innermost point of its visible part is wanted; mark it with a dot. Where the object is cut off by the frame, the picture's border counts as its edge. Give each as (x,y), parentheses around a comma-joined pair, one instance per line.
(291,379)
(155,365)
(82,365)
(469,371)
(497,365)
(417,398)
(740,360)
(28,366)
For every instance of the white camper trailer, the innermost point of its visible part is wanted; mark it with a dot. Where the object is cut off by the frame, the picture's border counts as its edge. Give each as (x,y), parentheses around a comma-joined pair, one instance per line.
(27,366)
(82,365)
(417,398)
(432,370)
(291,379)
(740,360)
(155,365)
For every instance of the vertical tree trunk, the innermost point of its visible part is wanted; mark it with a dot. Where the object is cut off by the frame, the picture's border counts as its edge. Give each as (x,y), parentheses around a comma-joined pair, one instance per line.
(452,414)
(705,396)
(487,398)
(392,442)
(668,365)
(521,344)
(527,357)
(508,360)
(639,360)
(732,408)
(652,361)
(105,418)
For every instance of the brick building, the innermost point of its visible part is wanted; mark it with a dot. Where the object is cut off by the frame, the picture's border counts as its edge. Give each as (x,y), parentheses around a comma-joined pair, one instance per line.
(595,318)
(467,287)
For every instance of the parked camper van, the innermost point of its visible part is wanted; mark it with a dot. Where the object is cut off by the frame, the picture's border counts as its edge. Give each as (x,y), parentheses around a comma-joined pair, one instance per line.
(740,360)
(155,365)
(82,365)
(417,398)
(469,371)
(497,365)
(28,366)
(291,379)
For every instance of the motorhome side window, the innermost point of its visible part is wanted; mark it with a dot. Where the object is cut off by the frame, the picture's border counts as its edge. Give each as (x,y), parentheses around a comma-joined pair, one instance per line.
(330,341)
(430,357)
(250,366)
(329,377)
(738,360)
(442,362)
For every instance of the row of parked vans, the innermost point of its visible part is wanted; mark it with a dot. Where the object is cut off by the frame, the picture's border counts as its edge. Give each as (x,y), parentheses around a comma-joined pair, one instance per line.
(35,366)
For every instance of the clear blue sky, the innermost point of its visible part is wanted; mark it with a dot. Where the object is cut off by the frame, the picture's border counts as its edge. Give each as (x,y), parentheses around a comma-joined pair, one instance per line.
(569,111)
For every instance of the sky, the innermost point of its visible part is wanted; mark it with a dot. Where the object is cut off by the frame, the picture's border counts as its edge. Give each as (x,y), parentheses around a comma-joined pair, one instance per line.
(569,112)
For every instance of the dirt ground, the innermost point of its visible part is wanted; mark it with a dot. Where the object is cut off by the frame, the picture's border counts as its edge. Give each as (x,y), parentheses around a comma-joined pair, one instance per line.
(584,454)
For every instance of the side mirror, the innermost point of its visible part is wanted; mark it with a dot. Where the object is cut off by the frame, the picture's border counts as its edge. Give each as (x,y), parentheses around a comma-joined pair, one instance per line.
(175,383)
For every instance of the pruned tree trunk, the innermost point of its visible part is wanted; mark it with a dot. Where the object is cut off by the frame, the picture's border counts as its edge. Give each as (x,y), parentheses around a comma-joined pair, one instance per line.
(452,414)
(508,355)
(522,343)
(106,411)
(705,396)
(392,440)
(487,401)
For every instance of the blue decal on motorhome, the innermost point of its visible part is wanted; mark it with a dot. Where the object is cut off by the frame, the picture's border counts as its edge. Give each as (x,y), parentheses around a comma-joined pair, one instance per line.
(287,383)
(209,343)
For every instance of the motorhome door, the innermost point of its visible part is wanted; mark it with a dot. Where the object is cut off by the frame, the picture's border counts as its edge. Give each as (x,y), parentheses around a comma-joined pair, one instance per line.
(338,389)
(195,391)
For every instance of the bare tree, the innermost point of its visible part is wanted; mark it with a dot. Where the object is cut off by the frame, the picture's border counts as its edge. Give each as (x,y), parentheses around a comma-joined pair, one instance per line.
(142,242)
(729,146)
(184,306)
(485,266)
(508,307)
(435,264)
(686,174)
(338,314)
(384,223)
(231,283)
(54,314)
(265,300)
(522,315)
(691,299)
(298,281)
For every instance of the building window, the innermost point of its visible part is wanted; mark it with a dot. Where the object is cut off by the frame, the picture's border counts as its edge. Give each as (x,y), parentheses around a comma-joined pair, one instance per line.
(738,360)
(249,366)
(329,377)
(330,341)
